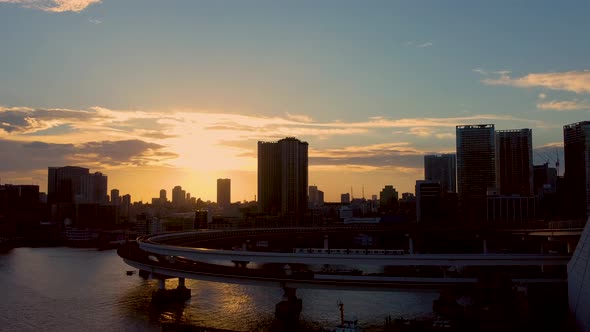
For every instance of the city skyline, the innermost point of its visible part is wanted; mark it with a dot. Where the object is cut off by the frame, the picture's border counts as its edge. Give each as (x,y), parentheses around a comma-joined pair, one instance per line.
(156,95)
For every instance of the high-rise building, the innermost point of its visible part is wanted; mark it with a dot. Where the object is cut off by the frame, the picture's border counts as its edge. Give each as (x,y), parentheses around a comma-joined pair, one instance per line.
(282,176)
(576,146)
(163,198)
(428,200)
(345,198)
(442,168)
(178,196)
(64,184)
(224,192)
(476,168)
(115,198)
(93,189)
(125,207)
(514,162)
(316,197)
(388,195)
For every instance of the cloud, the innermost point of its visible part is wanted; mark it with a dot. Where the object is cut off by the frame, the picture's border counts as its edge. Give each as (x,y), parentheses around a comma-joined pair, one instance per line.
(572,81)
(94,21)
(564,105)
(299,117)
(99,154)
(54,6)
(480,71)
(382,156)
(542,96)
(419,44)
(421,131)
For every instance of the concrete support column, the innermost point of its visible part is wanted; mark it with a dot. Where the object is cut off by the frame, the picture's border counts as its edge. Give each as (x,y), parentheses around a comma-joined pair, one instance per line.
(411,246)
(162,284)
(485,247)
(289,309)
(181,283)
(326,244)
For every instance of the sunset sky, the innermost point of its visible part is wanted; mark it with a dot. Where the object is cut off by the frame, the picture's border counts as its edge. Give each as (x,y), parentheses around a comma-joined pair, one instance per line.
(162,93)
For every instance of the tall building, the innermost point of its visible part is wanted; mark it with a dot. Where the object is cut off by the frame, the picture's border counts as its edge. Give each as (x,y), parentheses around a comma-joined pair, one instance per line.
(476,168)
(282,176)
(115,198)
(388,195)
(93,189)
(178,195)
(163,198)
(316,197)
(224,192)
(514,162)
(345,198)
(442,168)
(64,184)
(576,146)
(428,200)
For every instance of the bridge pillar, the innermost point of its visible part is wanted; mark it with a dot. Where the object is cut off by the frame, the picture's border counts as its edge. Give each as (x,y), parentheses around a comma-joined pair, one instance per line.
(289,309)
(178,294)
(326,244)
(485,247)
(411,245)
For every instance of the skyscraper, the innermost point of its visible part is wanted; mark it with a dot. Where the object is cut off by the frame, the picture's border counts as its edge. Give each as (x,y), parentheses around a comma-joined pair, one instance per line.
(93,188)
(64,184)
(442,168)
(163,198)
(476,168)
(115,198)
(514,162)
(282,176)
(178,196)
(428,200)
(576,146)
(223,192)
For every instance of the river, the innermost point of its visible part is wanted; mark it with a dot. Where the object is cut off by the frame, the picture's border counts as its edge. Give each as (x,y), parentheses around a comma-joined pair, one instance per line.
(73,289)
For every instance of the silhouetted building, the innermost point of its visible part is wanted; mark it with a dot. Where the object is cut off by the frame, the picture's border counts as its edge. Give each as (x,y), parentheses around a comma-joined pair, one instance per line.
(544,179)
(442,168)
(316,197)
(163,198)
(224,192)
(178,196)
(282,177)
(476,168)
(511,209)
(201,219)
(125,207)
(428,200)
(576,146)
(93,189)
(19,209)
(345,198)
(115,198)
(514,162)
(388,199)
(64,184)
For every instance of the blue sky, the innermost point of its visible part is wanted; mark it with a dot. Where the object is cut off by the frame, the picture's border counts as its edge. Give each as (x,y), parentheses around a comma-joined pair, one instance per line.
(178,92)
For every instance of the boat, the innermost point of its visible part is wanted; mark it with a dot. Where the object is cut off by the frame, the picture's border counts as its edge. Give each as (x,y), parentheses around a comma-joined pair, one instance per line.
(349,324)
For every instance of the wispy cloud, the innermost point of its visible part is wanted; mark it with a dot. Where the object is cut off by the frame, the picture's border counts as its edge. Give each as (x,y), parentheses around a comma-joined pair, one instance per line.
(94,21)
(148,137)
(573,81)
(419,44)
(564,105)
(54,6)
(374,156)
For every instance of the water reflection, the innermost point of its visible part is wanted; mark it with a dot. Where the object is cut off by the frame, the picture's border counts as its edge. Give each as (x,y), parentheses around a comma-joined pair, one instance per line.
(85,289)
